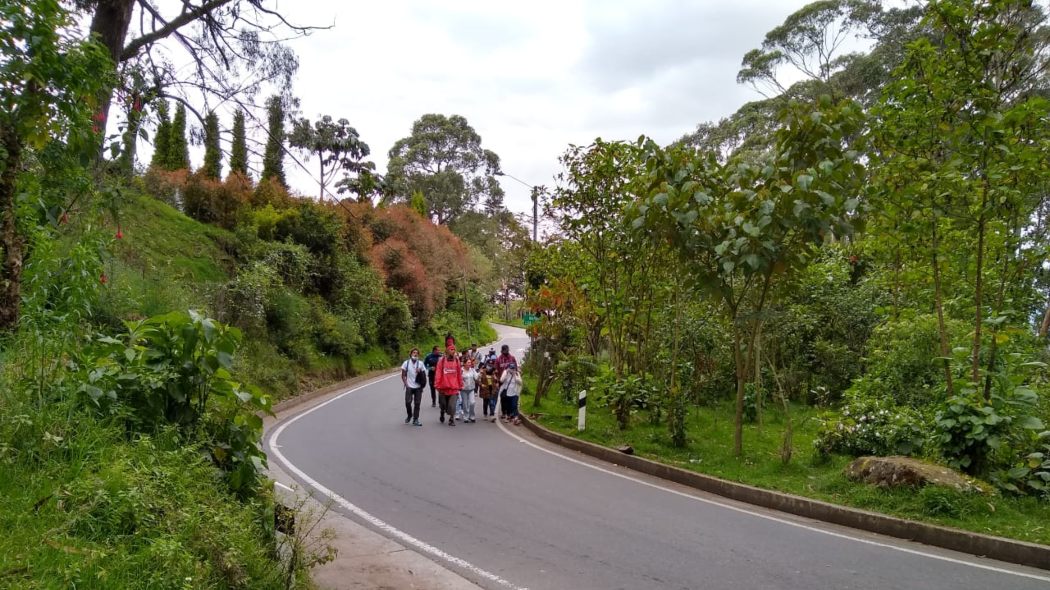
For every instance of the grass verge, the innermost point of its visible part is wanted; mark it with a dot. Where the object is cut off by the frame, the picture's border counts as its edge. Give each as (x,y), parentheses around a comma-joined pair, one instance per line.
(710,451)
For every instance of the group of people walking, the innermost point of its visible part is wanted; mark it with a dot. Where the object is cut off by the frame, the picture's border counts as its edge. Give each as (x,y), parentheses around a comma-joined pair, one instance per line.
(457,381)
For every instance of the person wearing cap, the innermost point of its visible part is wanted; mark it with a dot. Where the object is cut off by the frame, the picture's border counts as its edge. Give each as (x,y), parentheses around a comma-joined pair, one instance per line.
(449,377)
(510,387)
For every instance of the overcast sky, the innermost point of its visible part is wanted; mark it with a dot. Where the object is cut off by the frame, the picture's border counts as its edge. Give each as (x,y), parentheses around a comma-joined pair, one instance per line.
(531,77)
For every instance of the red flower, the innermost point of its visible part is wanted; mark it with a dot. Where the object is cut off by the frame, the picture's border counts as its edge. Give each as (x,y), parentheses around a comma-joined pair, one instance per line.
(853,260)
(103,279)
(137,106)
(63,219)
(100,117)
(120,234)
(94,129)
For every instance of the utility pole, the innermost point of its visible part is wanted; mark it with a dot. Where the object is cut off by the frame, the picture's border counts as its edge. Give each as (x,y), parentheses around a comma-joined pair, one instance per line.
(535,211)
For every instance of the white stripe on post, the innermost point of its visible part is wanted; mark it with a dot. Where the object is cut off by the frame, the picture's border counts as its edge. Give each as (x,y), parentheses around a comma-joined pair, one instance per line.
(583,411)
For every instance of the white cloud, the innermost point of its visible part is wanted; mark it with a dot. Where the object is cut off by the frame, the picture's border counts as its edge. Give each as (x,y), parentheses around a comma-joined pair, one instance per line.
(531,78)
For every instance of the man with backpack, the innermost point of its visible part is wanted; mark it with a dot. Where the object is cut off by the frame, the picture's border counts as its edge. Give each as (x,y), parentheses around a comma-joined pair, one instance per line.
(414,376)
(431,364)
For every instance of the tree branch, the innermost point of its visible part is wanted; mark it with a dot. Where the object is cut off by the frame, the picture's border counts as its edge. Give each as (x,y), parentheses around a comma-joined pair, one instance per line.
(187,16)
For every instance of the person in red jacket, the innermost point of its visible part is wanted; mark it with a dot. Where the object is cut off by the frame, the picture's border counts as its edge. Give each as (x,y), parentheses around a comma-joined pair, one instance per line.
(448,379)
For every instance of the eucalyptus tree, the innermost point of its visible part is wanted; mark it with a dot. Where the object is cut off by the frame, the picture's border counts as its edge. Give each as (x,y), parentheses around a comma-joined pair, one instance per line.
(443,158)
(235,47)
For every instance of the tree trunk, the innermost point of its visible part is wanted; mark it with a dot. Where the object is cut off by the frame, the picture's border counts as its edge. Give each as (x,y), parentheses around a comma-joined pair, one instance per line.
(10,240)
(977,298)
(1045,327)
(741,372)
(110,26)
(938,299)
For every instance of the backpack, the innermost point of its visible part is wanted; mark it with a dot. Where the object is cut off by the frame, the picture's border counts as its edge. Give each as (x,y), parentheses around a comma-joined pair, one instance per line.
(421,377)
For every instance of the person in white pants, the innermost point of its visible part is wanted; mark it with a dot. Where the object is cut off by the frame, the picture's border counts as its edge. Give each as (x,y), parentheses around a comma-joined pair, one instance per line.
(467,395)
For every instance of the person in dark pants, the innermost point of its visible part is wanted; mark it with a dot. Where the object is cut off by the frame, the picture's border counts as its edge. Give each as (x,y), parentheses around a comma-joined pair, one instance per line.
(414,376)
(449,376)
(431,364)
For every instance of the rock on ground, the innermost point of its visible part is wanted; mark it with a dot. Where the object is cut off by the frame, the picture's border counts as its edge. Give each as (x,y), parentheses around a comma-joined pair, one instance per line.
(906,471)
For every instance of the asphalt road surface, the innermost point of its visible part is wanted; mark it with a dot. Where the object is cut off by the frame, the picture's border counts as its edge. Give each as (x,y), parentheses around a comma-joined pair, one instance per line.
(507,511)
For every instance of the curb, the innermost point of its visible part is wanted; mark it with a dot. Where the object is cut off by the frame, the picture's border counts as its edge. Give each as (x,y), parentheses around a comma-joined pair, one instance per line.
(1008,550)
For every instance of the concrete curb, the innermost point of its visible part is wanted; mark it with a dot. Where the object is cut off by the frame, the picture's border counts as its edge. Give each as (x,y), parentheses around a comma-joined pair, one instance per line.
(1008,550)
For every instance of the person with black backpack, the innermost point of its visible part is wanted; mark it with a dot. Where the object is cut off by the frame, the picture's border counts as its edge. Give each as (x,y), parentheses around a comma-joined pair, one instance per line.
(431,362)
(414,376)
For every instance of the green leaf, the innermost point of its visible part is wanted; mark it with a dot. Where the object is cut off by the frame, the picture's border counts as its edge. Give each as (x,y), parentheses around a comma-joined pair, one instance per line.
(803,181)
(1030,423)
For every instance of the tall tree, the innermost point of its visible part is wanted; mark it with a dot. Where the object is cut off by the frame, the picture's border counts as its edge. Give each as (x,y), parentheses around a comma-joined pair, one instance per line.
(212,148)
(161,137)
(444,160)
(178,145)
(961,163)
(235,46)
(336,144)
(273,156)
(239,145)
(738,227)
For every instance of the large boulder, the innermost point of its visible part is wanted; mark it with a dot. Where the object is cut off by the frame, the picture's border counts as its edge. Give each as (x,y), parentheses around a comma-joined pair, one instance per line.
(906,471)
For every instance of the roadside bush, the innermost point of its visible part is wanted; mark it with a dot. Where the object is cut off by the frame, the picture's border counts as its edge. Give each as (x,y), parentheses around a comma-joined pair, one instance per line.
(867,426)
(971,430)
(175,370)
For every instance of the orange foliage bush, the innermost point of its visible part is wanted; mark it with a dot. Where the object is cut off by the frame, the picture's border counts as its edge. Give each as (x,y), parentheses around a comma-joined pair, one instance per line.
(166,185)
(415,256)
(211,201)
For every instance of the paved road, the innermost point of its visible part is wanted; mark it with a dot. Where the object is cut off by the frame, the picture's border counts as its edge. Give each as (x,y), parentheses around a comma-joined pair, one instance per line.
(506,512)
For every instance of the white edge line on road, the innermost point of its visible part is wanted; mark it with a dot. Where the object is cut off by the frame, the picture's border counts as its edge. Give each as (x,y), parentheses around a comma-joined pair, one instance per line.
(386,528)
(774,518)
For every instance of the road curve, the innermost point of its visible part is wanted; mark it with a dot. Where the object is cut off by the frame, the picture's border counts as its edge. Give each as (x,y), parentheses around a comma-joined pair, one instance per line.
(507,511)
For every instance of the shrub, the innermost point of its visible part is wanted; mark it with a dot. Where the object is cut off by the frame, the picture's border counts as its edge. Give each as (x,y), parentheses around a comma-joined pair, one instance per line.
(902,362)
(175,370)
(166,185)
(971,429)
(868,426)
(212,201)
(243,300)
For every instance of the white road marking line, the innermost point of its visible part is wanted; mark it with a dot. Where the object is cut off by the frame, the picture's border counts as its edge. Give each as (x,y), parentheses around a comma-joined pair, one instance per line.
(284,486)
(777,519)
(386,528)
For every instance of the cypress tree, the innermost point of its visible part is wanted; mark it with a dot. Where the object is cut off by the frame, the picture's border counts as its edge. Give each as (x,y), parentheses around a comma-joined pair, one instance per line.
(161,137)
(178,146)
(273,157)
(239,148)
(212,149)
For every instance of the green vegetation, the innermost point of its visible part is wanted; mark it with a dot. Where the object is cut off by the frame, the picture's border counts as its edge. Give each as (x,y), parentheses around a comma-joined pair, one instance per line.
(148,321)
(825,274)
(710,451)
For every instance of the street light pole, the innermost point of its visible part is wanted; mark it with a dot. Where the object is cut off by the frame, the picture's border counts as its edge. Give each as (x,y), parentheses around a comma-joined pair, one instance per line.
(536,190)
